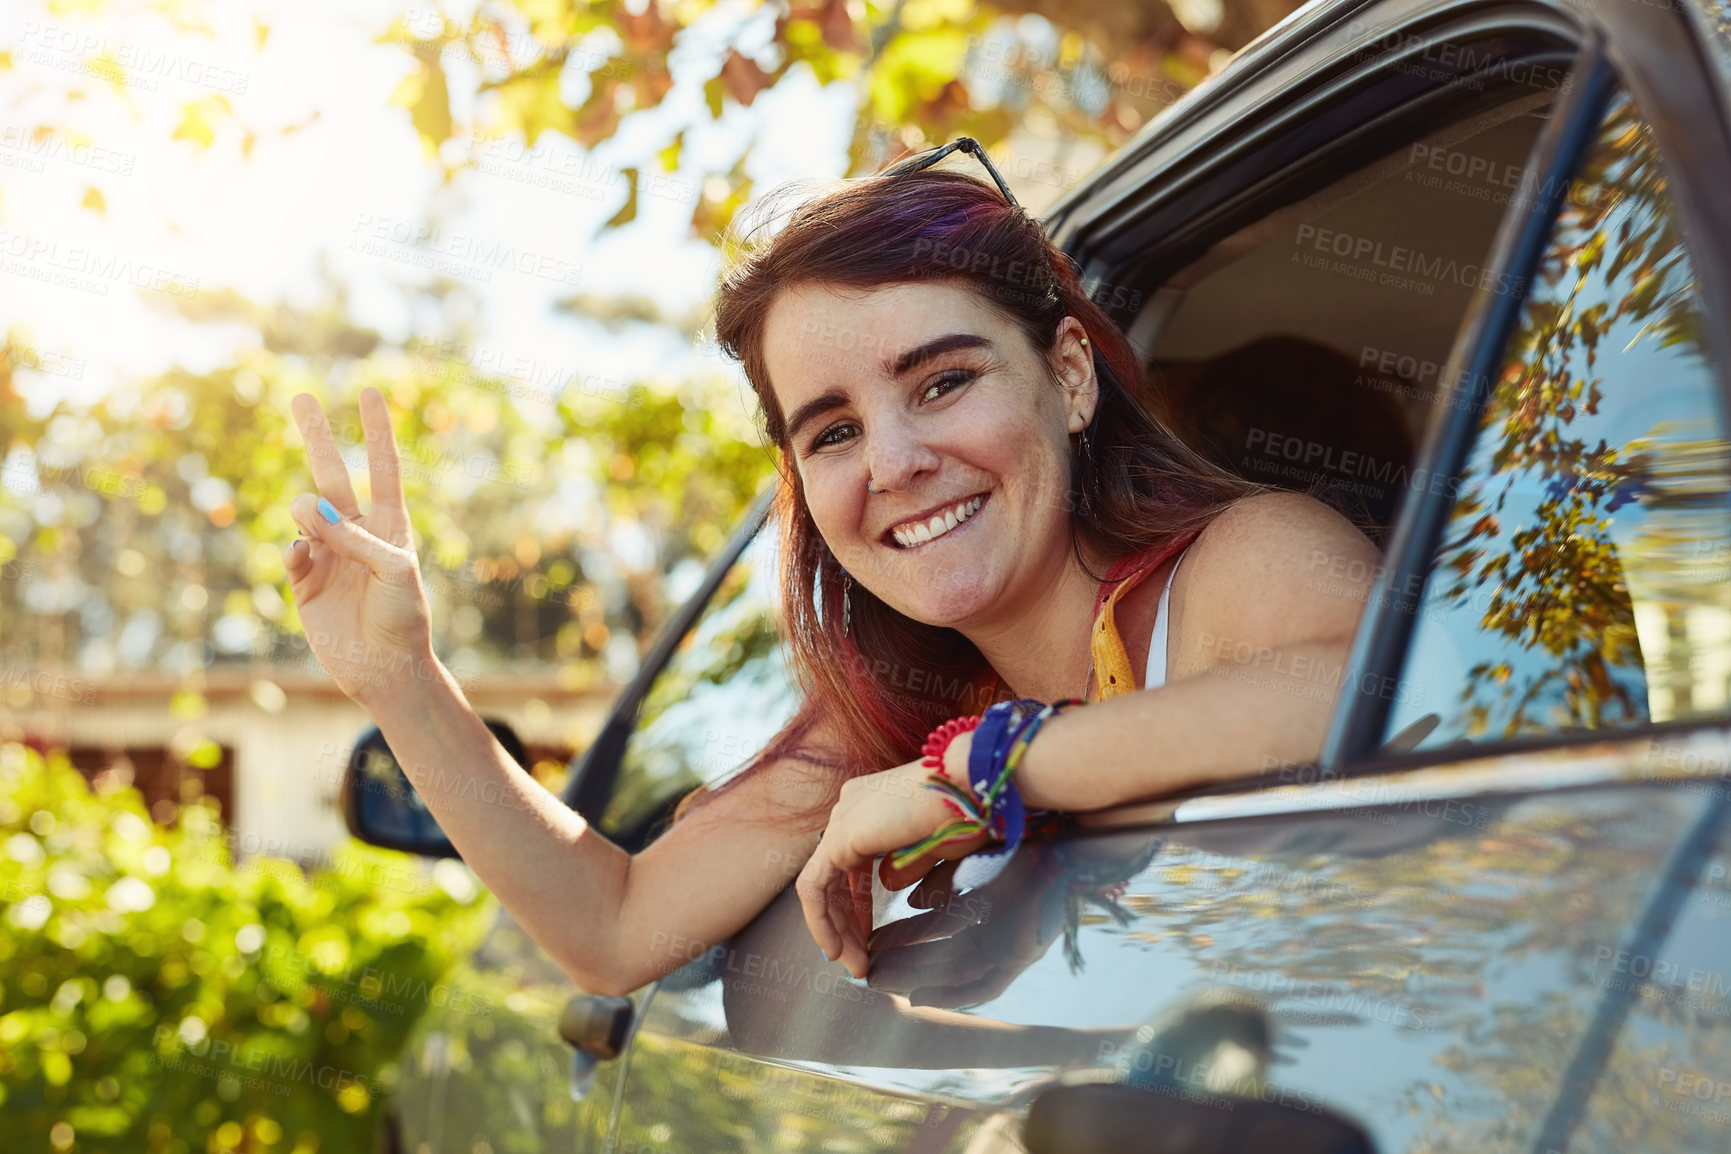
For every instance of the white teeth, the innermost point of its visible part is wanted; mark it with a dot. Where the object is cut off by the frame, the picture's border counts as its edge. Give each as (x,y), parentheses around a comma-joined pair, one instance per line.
(918,533)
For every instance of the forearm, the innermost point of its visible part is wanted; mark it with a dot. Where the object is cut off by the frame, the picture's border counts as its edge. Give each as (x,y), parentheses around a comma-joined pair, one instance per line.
(561,880)
(1231,720)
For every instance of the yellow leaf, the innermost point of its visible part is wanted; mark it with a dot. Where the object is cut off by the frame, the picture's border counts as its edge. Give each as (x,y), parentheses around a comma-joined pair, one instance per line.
(428,100)
(199,120)
(627,211)
(93,200)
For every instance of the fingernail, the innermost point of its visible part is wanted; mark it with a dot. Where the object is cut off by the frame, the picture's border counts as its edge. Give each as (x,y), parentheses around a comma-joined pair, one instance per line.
(328,511)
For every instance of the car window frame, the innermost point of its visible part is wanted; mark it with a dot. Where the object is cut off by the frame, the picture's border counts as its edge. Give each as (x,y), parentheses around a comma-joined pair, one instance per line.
(1315,113)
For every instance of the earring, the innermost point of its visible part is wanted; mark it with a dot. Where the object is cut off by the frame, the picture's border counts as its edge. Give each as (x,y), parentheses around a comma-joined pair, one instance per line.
(846,607)
(1083,459)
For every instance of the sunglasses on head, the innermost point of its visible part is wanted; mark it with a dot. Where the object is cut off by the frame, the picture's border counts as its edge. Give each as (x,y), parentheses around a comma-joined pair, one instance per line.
(930,157)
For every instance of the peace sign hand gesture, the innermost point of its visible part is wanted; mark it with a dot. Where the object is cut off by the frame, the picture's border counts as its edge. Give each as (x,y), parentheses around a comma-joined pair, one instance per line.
(357,582)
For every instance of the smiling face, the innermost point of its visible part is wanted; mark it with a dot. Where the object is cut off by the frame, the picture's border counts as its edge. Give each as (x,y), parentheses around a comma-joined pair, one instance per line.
(949,410)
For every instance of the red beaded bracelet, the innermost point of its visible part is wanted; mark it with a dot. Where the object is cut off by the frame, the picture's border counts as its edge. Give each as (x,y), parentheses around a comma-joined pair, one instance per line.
(939,740)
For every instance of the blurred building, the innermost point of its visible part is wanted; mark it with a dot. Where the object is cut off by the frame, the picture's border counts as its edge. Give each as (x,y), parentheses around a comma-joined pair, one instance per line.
(269,745)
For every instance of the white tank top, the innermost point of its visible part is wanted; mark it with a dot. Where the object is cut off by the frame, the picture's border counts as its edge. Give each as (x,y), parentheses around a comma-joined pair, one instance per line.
(1156,676)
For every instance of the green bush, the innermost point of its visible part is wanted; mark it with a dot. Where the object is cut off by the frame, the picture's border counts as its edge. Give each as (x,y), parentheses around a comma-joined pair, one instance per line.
(153,997)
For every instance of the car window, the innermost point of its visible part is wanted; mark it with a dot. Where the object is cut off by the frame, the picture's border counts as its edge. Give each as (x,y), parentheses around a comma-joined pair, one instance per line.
(1306,349)
(723,694)
(1581,582)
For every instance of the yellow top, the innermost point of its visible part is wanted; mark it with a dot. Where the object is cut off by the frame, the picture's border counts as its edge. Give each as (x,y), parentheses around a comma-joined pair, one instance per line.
(1113,673)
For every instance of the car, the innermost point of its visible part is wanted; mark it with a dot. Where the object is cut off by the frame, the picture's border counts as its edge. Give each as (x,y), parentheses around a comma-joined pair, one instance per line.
(1461,268)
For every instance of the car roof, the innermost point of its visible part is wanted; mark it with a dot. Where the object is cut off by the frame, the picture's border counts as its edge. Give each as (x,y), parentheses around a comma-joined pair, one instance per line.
(1304,27)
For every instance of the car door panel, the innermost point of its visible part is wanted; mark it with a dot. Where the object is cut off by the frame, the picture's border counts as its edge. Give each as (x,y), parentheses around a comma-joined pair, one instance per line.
(1386,944)
(486,1063)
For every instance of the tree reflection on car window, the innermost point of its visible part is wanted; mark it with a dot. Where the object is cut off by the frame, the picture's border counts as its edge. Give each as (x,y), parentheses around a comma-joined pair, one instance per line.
(1582,578)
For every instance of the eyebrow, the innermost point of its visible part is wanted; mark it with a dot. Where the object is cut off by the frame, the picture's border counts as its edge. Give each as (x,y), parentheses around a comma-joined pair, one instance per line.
(932,348)
(816,407)
(892,366)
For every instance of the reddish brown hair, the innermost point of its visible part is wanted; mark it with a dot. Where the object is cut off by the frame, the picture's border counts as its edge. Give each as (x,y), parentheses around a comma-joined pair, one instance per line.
(878,691)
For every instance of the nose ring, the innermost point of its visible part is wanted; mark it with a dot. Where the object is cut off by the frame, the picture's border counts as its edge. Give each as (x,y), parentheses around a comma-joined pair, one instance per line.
(869,488)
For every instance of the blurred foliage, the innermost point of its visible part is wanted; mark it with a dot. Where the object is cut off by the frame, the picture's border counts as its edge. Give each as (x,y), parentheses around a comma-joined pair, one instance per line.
(163,509)
(158,997)
(923,72)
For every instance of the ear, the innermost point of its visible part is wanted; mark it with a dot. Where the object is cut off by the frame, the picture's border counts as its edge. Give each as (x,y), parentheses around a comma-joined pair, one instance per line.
(1073,361)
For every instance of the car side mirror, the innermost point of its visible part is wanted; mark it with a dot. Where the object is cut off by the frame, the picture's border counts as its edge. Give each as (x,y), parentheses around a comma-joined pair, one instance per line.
(383,809)
(1101,1117)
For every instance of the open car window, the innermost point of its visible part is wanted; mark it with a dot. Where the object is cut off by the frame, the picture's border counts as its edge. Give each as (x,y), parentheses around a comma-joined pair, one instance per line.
(1581,580)
(723,694)
(1305,350)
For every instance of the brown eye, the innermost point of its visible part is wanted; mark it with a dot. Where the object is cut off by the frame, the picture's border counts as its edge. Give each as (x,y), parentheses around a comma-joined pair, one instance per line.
(954,379)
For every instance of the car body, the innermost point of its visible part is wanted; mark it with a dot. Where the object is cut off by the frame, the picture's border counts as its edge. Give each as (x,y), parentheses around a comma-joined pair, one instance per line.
(1463,268)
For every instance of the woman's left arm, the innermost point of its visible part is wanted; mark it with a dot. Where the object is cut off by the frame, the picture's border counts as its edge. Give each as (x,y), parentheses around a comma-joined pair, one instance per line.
(1276,589)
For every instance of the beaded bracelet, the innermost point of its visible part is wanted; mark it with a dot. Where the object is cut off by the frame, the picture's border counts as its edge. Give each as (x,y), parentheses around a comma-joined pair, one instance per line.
(994,806)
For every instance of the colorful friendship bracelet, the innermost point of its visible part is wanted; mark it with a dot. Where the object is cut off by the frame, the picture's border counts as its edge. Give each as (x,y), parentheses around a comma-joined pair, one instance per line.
(993,806)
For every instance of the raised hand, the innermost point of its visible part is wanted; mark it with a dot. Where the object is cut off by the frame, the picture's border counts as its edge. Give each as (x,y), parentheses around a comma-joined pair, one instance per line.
(357,583)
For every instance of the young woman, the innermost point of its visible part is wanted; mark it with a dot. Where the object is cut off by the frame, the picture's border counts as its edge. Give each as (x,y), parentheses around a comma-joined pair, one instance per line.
(976,501)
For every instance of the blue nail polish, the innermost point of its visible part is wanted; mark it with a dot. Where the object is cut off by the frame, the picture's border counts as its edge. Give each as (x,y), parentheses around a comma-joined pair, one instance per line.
(328,511)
